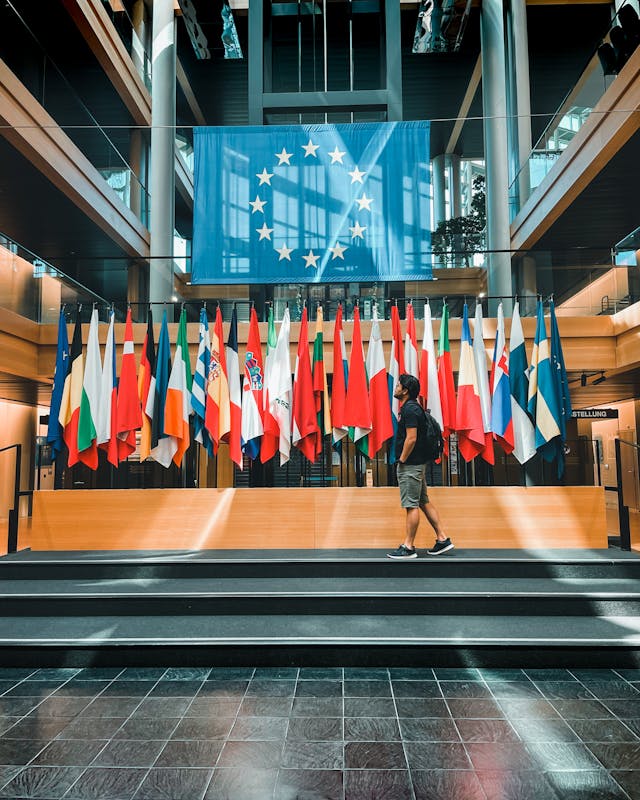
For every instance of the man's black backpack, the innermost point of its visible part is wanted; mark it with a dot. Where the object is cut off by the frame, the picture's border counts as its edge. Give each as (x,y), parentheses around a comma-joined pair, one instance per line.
(434,442)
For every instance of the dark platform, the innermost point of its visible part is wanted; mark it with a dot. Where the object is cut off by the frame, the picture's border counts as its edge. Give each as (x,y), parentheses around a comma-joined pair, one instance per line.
(473,607)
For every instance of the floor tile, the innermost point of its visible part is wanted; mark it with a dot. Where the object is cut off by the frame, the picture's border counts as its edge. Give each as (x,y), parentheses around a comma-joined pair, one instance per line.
(421,707)
(141,674)
(129,753)
(277,673)
(220,688)
(630,782)
(189,753)
(70,752)
(427,689)
(203,728)
(92,728)
(612,689)
(499,674)
(97,674)
(412,674)
(144,728)
(374,755)
(510,785)
(446,784)
(317,707)
(486,730)
(105,783)
(319,689)
(186,674)
(259,728)
(265,755)
(263,687)
(131,688)
(437,755)
(627,674)
(154,707)
(174,784)
(61,706)
(371,729)
(533,709)
(582,709)
(231,674)
(366,674)
(320,673)
(625,709)
(585,786)
(512,756)
(37,728)
(619,756)
(175,688)
(523,689)
(212,706)
(602,730)
(20,751)
(75,688)
(464,689)
(429,729)
(111,707)
(42,782)
(564,690)
(594,674)
(549,675)
(369,707)
(456,673)
(544,730)
(365,688)
(315,729)
(247,782)
(476,709)
(265,707)
(379,784)
(295,784)
(313,755)
(562,756)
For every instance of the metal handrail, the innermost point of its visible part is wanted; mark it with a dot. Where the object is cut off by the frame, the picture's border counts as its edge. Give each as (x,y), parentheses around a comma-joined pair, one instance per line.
(12,535)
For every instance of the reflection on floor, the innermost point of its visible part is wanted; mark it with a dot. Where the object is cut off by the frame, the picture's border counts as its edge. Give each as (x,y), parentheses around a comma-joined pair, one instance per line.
(349,734)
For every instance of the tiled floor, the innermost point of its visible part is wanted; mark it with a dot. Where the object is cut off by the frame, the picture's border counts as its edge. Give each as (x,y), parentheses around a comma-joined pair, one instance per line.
(352,734)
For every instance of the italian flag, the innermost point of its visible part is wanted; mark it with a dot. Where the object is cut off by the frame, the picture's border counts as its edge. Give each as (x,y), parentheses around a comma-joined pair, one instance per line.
(72,395)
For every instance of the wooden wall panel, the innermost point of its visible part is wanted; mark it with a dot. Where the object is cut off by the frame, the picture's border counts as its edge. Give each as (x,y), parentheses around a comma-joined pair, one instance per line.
(301,518)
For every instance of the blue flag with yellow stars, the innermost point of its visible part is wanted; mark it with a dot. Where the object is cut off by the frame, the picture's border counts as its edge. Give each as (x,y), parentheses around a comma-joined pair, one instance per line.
(312,203)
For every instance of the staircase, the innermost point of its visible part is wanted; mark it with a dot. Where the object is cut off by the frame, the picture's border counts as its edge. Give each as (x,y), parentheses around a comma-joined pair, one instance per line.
(320,607)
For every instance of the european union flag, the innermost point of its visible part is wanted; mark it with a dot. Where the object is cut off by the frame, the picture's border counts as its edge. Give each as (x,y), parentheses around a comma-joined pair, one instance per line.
(312,203)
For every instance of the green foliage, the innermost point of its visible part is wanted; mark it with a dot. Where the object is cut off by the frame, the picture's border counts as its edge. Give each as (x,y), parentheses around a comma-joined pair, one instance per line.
(455,241)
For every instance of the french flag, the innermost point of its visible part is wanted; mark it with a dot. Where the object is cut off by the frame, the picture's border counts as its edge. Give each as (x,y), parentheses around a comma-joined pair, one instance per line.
(469,425)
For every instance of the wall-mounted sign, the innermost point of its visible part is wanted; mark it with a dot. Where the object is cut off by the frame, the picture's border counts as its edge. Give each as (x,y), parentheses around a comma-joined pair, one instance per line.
(595,413)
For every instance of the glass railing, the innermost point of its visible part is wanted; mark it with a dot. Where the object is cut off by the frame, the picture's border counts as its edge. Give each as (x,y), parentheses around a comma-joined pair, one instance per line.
(126,28)
(574,111)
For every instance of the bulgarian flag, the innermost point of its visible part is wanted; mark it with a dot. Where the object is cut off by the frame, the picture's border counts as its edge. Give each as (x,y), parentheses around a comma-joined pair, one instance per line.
(271,437)
(339,385)
(235,397)
(357,414)
(252,389)
(147,387)
(90,398)
(380,408)
(106,427)
(469,425)
(305,423)
(320,389)
(445,380)
(217,415)
(178,403)
(72,394)
(480,358)
(129,412)
(396,368)
(411,344)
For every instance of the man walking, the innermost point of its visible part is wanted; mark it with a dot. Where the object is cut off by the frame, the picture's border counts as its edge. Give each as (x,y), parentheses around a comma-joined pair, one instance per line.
(411,455)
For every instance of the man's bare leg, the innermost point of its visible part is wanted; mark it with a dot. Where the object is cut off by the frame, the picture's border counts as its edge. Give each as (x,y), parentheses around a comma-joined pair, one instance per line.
(431,513)
(413,520)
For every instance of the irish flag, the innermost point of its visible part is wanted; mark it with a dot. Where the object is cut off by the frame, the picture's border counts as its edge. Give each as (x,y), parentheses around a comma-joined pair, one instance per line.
(178,403)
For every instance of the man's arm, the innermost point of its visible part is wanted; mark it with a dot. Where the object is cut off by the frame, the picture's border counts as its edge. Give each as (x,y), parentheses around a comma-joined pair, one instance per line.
(409,444)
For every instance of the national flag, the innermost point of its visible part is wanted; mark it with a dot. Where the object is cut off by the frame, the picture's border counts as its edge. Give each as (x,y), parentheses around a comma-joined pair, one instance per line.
(129,413)
(501,412)
(271,436)
(523,429)
(471,439)
(163,445)
(72,394)
(396,368)
(305,423)
(55,430)
(544,403)
(380,408)
(234,437)
(429,389)
(217,414)
(445,380)
(320,389)
(281,389)
(90,399)
(562,385)
(106,437)
(178,404)
(411,345)
(252,389)
(357,413)
(147,387)
(480,359)
(199,387)
(339,382)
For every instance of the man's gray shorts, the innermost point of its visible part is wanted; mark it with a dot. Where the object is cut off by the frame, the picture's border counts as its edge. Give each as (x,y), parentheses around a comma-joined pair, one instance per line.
(413,488)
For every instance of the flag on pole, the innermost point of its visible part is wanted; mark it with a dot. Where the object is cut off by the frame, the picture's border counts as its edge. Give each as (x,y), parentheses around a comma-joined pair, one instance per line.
(234,437)
(471,439)
(281,389)
(147,387)
(178,404)
(90,399)
(320,389)
(305,423)
(445,380)
(340,381)
(562,386)
(72,394)
(396,368)
(129,412)
(217,414)
(252,389)
(524,446)
(271,437)
(411,345)
(544,403)
(163,445)
(357,413)
(380,408)
(55,430)
(199,388)
(106,437)
(429,389)
(480,359)
(501,412)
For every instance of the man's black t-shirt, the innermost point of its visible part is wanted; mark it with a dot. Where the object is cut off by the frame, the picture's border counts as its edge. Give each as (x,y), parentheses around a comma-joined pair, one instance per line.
(412,416)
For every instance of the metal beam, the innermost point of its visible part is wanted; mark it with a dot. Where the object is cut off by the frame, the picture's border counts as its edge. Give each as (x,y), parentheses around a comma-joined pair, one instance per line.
(472,88)
(326,101)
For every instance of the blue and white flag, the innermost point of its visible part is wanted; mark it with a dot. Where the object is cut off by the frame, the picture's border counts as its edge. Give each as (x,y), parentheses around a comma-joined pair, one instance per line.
(561,384)
(63,366)
(543,404)
(311,203)
(524,446)
(199,387)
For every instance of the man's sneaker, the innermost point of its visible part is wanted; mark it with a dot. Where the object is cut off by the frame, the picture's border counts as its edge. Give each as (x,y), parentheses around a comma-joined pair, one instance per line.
(440,547)
(403,552)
